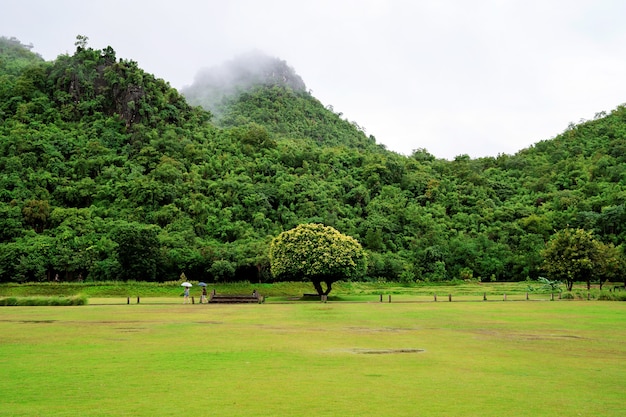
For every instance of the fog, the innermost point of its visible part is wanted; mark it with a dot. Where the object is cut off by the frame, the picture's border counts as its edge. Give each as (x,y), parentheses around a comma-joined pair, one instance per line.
(212,85)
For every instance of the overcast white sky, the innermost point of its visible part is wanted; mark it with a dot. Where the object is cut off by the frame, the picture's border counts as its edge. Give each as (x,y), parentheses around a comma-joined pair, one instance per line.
(455,77)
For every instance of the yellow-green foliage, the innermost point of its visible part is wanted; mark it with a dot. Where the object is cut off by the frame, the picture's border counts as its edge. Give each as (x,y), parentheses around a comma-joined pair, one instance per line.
(315,250)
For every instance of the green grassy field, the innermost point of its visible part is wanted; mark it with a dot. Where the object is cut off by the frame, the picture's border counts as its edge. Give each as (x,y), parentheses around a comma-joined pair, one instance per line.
(335,359)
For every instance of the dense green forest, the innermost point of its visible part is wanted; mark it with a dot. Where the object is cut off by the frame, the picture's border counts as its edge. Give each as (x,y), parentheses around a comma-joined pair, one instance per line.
(109,173)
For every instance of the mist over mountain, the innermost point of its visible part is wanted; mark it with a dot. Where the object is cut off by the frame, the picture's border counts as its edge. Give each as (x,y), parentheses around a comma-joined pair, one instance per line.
(212,85)
(15,56)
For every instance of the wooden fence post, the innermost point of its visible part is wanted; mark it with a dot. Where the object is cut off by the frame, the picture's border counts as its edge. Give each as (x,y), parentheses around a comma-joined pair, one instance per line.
(435,297)
(485,296)
(389,297)
(450,297)
(137,299)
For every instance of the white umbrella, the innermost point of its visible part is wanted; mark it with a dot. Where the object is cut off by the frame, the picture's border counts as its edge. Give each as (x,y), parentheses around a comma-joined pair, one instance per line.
(186,284)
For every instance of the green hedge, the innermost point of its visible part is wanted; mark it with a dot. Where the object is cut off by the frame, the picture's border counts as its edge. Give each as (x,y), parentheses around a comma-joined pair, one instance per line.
(78,300)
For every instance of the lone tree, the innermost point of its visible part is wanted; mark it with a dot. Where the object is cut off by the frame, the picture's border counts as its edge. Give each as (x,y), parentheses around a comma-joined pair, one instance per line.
(571,255)
(317,253)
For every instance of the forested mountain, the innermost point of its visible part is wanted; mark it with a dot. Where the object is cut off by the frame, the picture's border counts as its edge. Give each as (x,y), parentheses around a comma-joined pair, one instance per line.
(214,87)
(109,173)
(255,88)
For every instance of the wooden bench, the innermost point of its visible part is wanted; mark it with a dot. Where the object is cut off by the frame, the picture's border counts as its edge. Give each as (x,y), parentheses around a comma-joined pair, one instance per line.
(232,299)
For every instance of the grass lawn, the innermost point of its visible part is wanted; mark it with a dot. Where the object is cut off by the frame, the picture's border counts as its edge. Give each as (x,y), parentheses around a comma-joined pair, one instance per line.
(563,358)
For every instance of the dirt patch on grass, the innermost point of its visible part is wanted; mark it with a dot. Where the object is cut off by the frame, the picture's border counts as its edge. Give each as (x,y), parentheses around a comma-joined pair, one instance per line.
(130,329)
(547,336)
(526,336)
(380,351)
(29,321)
(386,351)
(378,329)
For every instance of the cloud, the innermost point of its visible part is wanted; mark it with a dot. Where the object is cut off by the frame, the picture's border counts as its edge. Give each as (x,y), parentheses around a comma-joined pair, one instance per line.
(212,85)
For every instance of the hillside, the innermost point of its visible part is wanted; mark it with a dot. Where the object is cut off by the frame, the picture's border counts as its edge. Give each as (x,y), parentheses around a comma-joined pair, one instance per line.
(108,173)
(255,88)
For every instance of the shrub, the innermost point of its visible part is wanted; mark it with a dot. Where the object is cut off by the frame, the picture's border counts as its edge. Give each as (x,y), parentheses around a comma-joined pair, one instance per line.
(77,300)
(612,296)
(9,301)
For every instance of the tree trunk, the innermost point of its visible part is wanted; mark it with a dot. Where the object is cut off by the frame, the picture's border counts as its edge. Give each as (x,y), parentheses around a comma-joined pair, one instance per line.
(318,287)
(570,284)
(320,290)
(329,286)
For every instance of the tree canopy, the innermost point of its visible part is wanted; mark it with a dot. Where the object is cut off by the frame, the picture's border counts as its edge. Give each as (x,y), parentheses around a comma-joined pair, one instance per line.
(317,253)
(575,255)
(571,256)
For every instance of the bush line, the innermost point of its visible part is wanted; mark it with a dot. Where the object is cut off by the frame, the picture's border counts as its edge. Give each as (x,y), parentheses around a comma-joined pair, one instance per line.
(78,300)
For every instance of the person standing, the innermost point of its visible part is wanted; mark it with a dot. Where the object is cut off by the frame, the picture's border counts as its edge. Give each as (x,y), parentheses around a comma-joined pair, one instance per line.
(203,298)
(186,295)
